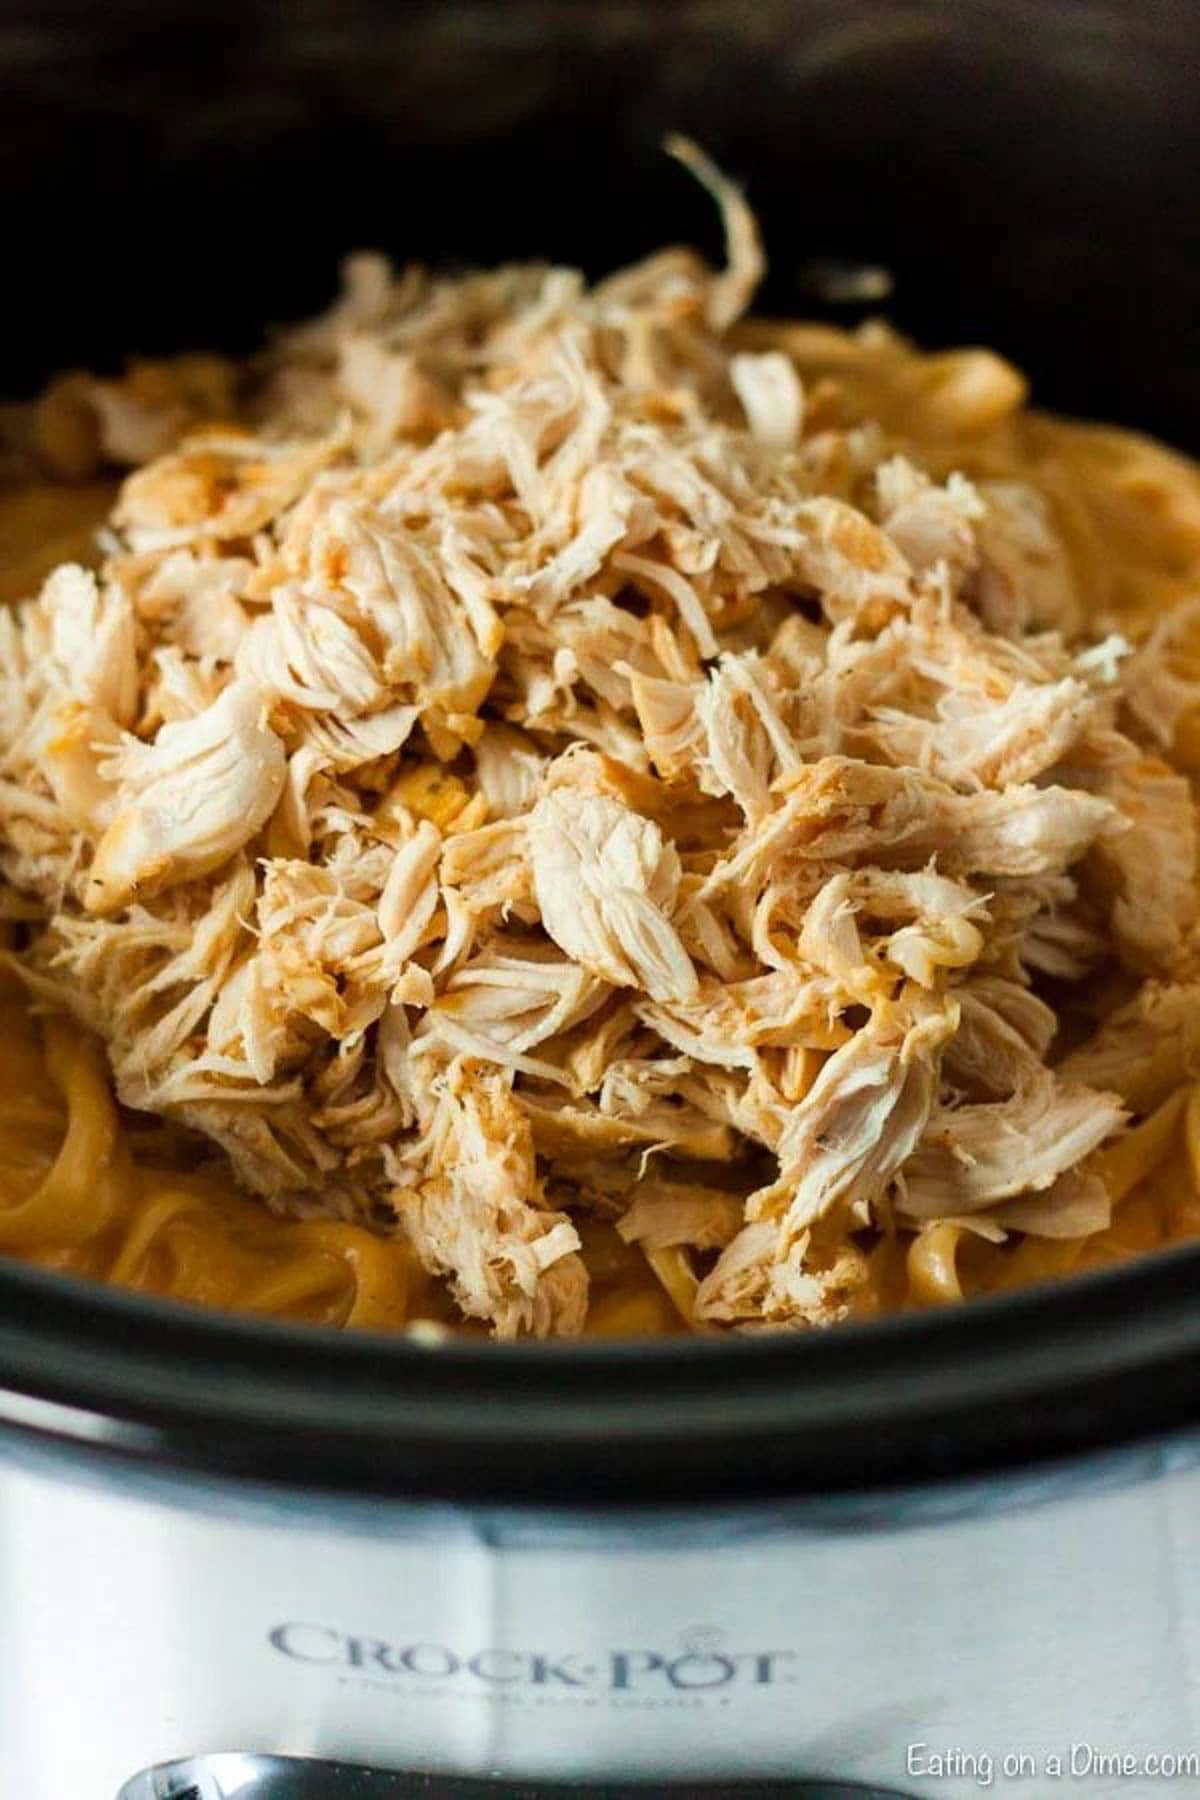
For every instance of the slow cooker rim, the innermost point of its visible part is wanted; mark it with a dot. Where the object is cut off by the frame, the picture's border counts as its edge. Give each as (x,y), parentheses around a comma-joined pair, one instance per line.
(1103,1359)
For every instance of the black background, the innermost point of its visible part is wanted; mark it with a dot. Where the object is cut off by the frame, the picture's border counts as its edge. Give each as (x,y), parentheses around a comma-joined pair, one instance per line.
(176,175)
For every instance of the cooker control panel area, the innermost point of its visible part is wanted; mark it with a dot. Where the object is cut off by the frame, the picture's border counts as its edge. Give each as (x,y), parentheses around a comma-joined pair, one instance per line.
(254,1777)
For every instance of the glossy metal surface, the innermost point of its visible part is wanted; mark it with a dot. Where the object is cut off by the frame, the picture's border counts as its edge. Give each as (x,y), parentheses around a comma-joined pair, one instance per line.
(146,1617)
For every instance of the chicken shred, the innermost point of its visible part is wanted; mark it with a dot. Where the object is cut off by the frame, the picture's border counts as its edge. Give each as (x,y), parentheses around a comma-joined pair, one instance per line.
(532,761)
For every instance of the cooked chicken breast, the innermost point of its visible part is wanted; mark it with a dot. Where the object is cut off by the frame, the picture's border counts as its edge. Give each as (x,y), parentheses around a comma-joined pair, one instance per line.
(529,751)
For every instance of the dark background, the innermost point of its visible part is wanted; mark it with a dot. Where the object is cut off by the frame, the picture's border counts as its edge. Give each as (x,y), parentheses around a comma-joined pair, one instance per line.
(174,176)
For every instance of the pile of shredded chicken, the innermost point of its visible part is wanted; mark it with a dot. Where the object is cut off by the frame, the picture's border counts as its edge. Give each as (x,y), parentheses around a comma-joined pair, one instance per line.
(531,764)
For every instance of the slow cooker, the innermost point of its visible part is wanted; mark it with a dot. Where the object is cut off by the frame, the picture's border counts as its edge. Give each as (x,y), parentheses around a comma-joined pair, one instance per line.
(930,1555)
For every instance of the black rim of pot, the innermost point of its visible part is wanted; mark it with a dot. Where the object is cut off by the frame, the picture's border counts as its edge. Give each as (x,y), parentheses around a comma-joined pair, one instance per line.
(1098,1361)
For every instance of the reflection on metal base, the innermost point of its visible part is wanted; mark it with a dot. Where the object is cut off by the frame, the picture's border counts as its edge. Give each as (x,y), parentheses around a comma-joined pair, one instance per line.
(253,1777)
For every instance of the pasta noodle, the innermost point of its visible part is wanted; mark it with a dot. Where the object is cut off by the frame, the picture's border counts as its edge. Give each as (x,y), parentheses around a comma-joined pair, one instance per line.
(91,1188)
(81,1197)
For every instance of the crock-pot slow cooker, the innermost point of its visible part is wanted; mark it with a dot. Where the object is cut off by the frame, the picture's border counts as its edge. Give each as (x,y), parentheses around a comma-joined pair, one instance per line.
(932,1554)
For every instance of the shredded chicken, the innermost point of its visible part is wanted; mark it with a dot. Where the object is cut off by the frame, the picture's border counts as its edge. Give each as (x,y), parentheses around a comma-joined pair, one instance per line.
(522,753)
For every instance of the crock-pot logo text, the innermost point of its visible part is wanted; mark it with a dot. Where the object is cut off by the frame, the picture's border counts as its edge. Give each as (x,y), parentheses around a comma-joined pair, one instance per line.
(698,1665)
